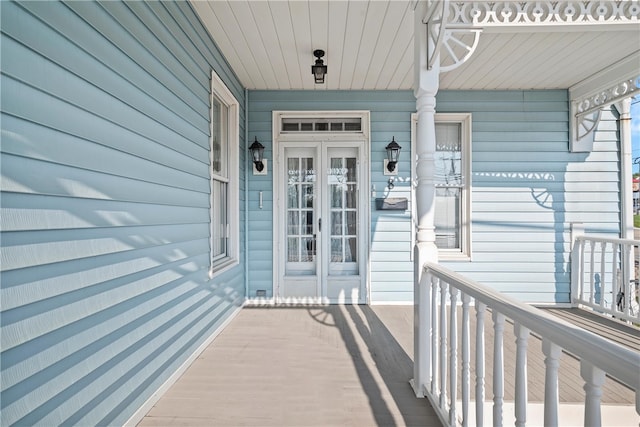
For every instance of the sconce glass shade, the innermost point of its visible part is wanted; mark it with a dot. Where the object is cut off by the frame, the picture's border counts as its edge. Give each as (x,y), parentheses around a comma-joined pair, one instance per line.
(257,153)
(393,153)
(319,69)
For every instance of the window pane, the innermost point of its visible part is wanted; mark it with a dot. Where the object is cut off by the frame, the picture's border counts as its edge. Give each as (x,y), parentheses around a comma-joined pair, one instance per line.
(448,158)
(219,137)
(447,218)
(219,219)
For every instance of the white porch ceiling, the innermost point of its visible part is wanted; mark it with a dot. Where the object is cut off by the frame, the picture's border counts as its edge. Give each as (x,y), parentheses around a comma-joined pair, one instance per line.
(369,45)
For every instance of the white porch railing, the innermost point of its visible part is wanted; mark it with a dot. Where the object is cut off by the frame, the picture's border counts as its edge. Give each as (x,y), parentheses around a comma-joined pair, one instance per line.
(603,276)
(439,351)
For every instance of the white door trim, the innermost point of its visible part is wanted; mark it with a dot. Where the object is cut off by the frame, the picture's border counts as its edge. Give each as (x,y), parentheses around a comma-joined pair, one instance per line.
(361,137)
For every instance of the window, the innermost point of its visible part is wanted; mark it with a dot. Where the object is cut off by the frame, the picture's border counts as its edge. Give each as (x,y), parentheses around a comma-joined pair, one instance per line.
(224,174)
(452,181)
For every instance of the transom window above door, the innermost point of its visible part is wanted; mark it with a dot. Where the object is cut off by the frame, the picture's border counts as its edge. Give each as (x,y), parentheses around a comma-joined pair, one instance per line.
(351,125)
(338,124)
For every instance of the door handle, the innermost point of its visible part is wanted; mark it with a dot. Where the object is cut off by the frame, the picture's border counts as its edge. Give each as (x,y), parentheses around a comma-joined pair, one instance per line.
(319,224)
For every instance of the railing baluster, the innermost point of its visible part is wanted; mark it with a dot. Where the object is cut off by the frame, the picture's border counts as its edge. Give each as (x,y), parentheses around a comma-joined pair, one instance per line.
(615,274)
(480,309)
(443,344)
(498,368)
(627,266)
(453,354)
(593,381)
(592,268)
(580,285)
(552,363)
(522,337)
(603,272)
(466,377)
(434,337)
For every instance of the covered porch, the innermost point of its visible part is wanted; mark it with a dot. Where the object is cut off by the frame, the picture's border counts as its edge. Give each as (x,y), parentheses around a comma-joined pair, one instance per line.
(135,242)
(347,365)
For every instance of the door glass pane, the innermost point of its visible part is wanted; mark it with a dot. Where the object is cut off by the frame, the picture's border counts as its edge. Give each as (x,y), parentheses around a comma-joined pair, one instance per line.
(336,223)
(336,250)
(350,196)
(292,249)
(343,187)
(300,215)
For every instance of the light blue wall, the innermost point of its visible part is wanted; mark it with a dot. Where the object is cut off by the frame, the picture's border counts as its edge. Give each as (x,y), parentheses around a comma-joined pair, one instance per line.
(390,231)
(527,188)
(105,206)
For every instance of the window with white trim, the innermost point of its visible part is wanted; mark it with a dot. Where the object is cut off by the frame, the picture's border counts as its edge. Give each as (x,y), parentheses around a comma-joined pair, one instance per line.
(452,176)
(224,143)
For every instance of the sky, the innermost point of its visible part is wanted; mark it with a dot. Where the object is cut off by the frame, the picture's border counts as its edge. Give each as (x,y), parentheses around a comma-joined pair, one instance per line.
(635,127)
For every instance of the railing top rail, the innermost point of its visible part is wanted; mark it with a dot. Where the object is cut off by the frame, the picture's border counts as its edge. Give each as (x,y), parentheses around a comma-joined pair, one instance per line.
(599,239)
(616,360)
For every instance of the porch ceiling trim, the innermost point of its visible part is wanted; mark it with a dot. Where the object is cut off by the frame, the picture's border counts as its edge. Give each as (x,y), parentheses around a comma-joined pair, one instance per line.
(589,97)
(454,28)
(536,13)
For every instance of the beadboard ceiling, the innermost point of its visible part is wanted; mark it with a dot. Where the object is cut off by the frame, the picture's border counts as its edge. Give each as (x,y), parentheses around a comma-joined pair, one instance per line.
(369,45)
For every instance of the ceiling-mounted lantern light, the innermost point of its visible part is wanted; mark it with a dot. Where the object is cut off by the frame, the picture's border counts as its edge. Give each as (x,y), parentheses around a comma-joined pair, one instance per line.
(319,69)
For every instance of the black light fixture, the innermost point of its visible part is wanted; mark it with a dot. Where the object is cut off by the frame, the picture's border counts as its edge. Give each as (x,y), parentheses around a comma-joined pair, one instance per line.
(257,153)
(319,69)
(393,153)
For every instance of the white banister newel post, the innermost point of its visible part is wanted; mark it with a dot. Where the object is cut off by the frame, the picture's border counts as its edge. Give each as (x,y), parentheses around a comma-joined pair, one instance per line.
(426,84)
(577,229)
(593,381)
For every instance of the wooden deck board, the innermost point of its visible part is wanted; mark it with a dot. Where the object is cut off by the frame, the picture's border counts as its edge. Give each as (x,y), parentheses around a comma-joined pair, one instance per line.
(311,366)
(616,331)
(332,366)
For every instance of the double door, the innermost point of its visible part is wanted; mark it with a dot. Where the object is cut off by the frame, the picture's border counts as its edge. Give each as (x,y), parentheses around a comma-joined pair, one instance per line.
(321,216)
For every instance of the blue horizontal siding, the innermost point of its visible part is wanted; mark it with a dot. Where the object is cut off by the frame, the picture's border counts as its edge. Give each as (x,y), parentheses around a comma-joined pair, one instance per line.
(390,233)
(105,215)
(527,188)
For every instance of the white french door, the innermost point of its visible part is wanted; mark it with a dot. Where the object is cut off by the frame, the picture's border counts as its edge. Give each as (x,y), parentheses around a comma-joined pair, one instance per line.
(322,216)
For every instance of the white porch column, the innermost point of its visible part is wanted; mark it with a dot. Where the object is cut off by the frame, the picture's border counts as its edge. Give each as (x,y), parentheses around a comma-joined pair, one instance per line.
(426,83)
(624,109)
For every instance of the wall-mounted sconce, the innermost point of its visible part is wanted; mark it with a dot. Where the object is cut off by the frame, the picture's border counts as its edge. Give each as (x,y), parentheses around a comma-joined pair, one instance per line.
(319,69)
(257,155)
(393,153)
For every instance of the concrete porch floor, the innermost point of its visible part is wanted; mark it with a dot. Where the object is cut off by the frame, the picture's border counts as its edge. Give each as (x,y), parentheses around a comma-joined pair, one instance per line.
(329,366)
